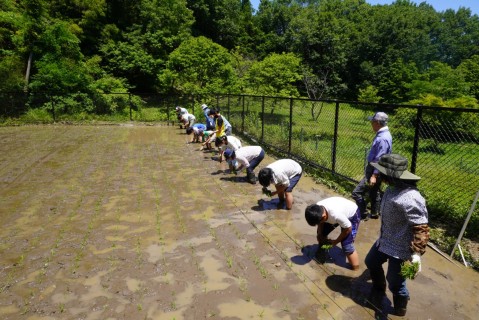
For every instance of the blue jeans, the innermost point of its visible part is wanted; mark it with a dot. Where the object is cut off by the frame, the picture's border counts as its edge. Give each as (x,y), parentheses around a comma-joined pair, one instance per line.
(396,283)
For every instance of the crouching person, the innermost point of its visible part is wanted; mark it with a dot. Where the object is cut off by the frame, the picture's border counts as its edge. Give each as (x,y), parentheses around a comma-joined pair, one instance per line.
(327,214)
(247,157)
(285,175)
(404,232)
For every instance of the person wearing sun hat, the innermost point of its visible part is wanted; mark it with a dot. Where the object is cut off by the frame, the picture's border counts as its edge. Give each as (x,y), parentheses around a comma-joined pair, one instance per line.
(371,182)
(404,232)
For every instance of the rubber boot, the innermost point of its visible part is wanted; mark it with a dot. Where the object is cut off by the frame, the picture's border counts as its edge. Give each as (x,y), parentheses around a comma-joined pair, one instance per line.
(375,207)
(378,291)
(251,177)
(400,305)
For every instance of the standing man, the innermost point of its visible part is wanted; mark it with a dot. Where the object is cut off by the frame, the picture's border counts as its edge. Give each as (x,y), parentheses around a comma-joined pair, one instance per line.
(403,235)
(285,175)
(382,144)
(327,214)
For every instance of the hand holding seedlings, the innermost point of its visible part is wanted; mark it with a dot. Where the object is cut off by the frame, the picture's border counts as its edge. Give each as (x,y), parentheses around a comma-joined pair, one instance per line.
(410,269)
(266,191)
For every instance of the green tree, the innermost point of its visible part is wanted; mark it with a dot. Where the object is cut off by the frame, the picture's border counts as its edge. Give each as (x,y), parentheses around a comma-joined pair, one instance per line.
(276,75)
(320,38)
(226,22)
(143,51)
(199,66)
(60,70)
(369,94)
(11,60)
(470,69)
(441,81)
(457,36)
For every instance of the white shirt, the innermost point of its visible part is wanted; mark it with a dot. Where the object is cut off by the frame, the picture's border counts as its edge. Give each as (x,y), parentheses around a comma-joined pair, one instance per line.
(340,210)
(246,154)
(283,170)
(182,111)
(188,117)
(233,144)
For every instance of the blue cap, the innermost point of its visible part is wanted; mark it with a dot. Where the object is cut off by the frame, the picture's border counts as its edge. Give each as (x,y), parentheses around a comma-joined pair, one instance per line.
(228,153)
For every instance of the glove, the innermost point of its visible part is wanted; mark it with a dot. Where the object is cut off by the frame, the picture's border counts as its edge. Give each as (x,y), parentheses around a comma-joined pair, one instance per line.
(415,258)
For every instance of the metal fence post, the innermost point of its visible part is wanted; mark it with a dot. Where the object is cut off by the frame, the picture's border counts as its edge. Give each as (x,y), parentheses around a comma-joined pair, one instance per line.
(335,138)
(416,139)
(129,102)
(228,107)
(290,126)
(262,120)
(52,100)
(242,115)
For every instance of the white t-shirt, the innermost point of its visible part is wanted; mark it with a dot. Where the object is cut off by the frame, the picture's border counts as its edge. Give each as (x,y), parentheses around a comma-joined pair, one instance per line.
(188,117)
(233,144)
(339,210)
(246,154)
(283,170)
(182,111)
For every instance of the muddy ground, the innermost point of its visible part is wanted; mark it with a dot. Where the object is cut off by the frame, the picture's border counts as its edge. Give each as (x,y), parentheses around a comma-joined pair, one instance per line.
(130,222)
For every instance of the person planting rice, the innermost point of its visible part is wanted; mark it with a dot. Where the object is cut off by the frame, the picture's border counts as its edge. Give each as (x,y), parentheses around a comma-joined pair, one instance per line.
(247,157)
(284,174)
(198,132)
(327,214)
(227,142)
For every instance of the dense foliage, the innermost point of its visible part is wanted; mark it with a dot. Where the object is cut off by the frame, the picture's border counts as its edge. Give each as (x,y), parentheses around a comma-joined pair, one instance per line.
(347,49)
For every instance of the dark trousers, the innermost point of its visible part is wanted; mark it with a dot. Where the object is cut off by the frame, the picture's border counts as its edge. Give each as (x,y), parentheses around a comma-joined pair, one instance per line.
(254,162)
(363,188)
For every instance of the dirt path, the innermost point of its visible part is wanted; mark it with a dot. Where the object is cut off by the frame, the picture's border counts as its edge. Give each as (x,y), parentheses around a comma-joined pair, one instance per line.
(130,222)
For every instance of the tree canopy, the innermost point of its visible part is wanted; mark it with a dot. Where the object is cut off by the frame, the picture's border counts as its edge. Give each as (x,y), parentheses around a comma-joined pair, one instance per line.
(343,49)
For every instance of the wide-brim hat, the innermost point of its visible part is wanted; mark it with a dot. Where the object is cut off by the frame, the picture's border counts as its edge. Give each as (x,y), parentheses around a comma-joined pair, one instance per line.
(204,106)
(395,166)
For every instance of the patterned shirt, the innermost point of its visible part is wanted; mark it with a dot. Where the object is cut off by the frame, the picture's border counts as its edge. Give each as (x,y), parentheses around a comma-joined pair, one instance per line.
(401,209)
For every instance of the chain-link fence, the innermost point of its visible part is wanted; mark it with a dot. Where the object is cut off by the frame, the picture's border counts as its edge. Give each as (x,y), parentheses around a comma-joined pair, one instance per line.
(442,144)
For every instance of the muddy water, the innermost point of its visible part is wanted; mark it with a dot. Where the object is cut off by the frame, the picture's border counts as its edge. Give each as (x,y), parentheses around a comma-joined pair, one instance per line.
(130,222)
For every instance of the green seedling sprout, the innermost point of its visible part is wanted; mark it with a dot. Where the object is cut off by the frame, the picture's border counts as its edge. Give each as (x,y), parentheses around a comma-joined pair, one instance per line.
(266,192)
(409,269)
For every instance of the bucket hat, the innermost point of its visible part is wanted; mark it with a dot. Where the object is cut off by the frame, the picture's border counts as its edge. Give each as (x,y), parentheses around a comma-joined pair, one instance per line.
(204,106)
(395,166)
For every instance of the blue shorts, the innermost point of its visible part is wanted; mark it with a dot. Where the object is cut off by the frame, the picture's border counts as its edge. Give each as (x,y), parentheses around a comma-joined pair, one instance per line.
(348,243)
(293,182)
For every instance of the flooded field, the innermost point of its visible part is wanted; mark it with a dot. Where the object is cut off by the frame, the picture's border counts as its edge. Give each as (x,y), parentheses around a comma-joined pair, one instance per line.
(130,222)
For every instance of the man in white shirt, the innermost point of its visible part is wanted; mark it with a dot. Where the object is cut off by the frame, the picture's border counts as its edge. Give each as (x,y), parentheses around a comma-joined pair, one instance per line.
(188,120)
(284,174)
(247,157)
(327,214)
(227,142)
